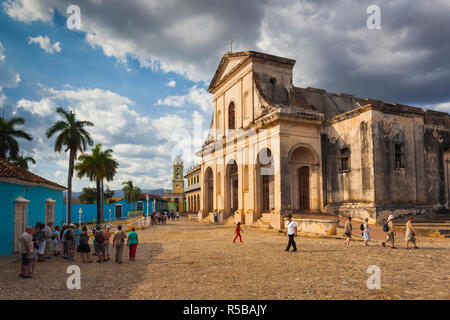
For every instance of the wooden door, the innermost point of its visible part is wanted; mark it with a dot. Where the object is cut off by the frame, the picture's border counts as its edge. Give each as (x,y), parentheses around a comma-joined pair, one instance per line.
(303,187)
(20,223)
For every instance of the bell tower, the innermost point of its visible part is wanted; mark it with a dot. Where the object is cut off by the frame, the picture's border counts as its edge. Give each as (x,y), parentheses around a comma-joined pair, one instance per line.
(178,176)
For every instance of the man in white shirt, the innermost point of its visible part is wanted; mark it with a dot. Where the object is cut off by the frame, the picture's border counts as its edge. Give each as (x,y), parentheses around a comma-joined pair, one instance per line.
(291,230)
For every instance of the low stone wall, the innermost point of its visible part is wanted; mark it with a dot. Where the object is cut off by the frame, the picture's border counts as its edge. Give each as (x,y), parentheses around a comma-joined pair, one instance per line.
(316,226)
(378,213)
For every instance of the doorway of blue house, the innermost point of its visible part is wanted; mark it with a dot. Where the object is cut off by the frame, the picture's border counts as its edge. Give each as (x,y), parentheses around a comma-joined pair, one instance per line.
(118,211)
(20,222)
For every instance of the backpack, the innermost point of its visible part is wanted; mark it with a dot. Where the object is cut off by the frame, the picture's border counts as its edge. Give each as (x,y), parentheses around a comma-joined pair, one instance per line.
(84,238)
(386,227)
(100,238)
(362,226)
(68,235)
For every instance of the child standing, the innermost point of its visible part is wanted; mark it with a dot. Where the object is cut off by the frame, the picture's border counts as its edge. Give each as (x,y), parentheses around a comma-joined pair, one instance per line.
(238,232)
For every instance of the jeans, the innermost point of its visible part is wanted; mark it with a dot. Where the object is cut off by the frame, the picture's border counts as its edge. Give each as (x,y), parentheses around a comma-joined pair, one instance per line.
(291,243)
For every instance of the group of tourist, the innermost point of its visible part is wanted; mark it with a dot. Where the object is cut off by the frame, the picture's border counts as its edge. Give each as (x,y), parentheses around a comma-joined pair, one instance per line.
(38,243)
(388,228)
(162,217)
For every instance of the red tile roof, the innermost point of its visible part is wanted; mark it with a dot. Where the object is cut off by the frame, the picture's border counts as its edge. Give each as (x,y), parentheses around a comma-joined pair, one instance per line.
(13,172)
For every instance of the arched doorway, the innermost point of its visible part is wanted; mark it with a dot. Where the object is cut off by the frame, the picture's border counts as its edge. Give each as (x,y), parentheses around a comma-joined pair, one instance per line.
(265,180)
(209,190)
(232,184)
(303,190)
(303,166)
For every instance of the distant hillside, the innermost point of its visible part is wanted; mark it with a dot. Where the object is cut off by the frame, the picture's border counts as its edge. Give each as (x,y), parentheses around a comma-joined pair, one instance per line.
(119,193)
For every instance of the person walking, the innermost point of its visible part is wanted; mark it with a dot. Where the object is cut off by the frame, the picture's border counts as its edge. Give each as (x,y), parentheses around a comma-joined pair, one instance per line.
(215,216)
(132,243)
(42,241)
(119,243)
(26,250)
(69,242)
(238,232)
(56,242)
(83,245)
(100,244)
(410,234)
(348,228)
(366,231)
(48,240)
(63,240)
(107,236)
(291,230)
(388,227)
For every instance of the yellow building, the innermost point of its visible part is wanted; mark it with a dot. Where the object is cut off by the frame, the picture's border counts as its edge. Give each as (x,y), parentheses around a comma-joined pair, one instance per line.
(192,190)
(177,194)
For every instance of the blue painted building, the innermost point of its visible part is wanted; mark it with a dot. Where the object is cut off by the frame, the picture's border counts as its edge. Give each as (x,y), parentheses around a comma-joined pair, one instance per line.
(25,199)
(120,209)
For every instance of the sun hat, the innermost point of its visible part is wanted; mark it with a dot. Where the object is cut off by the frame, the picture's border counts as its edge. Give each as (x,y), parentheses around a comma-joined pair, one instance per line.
(390,218)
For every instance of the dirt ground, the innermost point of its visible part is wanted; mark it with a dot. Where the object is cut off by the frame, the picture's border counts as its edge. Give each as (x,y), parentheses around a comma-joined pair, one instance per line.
(189,260)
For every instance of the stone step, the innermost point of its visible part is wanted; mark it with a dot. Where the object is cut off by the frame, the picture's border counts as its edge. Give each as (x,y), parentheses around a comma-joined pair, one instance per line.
(444,231)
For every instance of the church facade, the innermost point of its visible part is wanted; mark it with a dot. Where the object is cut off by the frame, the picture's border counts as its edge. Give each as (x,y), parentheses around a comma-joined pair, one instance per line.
(275,149)
(177,194)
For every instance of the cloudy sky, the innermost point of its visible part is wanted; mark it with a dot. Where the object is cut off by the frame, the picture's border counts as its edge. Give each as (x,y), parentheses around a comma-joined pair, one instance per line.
(139,69)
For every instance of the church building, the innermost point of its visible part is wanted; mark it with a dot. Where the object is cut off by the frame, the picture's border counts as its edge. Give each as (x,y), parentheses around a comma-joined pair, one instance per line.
(275,149)
(177,194)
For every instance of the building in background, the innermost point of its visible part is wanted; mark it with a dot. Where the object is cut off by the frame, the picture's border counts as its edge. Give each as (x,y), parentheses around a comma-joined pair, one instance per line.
(177,194)
(25,199)
(192,189)
(120,208)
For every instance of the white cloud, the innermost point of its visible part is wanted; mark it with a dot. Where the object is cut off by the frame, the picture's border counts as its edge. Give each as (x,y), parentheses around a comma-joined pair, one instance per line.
(43,107)
(2,52)
(196,96)
(28,10)
(171,83)
(444,107)
(45,44)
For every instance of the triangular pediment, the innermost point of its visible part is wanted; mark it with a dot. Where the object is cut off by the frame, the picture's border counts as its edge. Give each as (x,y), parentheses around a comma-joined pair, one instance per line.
(229,62)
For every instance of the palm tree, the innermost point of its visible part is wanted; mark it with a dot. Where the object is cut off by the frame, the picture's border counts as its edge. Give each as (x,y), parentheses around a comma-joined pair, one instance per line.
(8,135)
(22,161)
(131,193)
(97,166)
(74,137)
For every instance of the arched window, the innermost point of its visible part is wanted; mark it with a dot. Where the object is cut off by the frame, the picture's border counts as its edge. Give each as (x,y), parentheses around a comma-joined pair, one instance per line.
(231,117)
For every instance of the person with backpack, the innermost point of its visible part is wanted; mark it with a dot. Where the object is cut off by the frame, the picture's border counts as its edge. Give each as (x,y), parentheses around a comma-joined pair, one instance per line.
(100,245)
(83,246)
(388,227)
(69,242)
(119,243)
(366,231)
(348,231)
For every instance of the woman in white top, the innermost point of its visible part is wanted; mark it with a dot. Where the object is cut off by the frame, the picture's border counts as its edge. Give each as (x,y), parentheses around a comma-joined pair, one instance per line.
(366,232)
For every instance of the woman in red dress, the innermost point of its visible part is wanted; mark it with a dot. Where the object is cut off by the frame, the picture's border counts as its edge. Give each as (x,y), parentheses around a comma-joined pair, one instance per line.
(238,232)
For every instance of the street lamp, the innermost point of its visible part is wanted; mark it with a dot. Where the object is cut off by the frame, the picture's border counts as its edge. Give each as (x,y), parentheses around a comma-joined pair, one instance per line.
(80,212)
